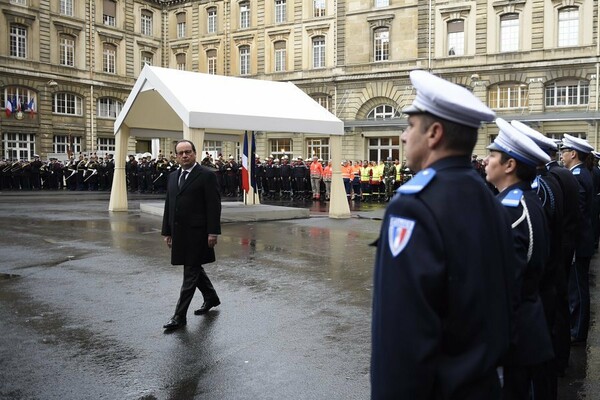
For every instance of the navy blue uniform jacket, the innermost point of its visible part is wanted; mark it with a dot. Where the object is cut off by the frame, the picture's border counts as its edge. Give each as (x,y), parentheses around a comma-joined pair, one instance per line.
(585,244)
(191,213)
(532,344)
(442,306)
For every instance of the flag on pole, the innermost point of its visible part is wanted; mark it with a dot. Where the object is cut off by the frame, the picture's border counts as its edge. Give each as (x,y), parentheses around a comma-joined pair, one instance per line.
(8,108)
(31,107)
(245,182)
(253,162)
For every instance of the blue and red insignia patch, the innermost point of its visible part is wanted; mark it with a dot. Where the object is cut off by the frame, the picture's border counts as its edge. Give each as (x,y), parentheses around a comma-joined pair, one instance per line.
(399,233)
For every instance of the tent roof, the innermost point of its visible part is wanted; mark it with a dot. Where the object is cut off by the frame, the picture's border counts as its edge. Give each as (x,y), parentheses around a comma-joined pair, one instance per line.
(162,99)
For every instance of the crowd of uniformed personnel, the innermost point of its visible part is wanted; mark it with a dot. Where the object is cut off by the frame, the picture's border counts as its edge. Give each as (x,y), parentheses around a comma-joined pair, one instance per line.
(84,173)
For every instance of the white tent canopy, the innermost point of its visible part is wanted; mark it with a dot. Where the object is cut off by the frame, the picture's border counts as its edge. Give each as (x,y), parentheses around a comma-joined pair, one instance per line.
(162,99)
(181,104)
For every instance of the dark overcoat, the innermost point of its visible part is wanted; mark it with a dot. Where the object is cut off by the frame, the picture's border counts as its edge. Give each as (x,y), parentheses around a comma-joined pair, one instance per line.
(191,213)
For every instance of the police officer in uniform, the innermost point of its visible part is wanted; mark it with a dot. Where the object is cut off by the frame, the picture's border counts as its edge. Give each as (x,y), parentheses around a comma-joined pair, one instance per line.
(574,153)
(511,168)
(442,286)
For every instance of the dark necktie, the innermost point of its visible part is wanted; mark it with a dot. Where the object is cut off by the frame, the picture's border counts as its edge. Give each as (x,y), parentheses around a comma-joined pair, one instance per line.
(182,178)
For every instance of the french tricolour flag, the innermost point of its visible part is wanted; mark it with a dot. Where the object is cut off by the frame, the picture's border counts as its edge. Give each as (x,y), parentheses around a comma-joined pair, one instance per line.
(9,108)
(245,181)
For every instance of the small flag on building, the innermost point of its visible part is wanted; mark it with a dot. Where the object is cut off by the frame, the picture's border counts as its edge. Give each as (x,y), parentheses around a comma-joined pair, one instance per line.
(8,108)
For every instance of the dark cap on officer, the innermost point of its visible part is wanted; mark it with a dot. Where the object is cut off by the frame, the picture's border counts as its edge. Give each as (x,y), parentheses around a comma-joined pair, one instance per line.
(447,100)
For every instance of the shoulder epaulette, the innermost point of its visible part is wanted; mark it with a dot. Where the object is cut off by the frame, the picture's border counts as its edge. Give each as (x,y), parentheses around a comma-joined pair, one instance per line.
(577,171)
(418,182)
(512,198)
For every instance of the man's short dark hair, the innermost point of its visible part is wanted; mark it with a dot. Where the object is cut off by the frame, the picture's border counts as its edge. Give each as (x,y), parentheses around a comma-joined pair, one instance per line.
(525,172)
(457,137)
(185,141)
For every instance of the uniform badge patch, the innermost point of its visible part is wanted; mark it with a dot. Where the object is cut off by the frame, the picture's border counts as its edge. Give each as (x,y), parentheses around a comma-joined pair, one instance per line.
(399,233)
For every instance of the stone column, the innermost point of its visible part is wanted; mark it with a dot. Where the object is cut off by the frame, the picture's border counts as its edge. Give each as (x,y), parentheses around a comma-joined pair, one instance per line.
(118,194)
(338,203)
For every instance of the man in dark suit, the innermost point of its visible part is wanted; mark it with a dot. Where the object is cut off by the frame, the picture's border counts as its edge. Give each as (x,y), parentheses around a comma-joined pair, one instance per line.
(191,225)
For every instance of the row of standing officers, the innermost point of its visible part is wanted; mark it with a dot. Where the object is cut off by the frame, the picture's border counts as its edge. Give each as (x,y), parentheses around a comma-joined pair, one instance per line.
(476,295)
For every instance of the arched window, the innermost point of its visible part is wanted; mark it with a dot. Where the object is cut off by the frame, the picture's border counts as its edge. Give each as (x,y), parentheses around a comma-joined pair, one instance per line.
(567,93)
(383,111)
(508,95)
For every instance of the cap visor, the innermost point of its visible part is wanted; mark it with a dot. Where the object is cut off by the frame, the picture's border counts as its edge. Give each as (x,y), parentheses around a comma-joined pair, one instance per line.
(412,110)
(495,147)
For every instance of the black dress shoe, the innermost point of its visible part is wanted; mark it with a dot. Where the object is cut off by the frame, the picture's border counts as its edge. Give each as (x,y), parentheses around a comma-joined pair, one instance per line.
(175,323)
(207,305)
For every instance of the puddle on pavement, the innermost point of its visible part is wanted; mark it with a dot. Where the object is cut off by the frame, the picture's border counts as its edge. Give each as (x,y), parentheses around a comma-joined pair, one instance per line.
(5,277)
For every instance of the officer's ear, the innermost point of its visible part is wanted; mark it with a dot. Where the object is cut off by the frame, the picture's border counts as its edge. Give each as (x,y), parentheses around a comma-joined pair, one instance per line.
(435,134)
(510,166)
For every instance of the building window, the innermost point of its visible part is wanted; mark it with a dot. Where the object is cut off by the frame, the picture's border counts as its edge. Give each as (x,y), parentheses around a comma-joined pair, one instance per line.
(317,147)
(211,59)
(280,55)
(180,59)
(20,99)
(508,96)
(280,147)
(67,51)
(567,93)
(61,144)
(109,58)
(280,11)
(212,20)
(318,52)
(147,58)
(509,32)
(244,60)
(245,14)
(323,100)
(456,37)
(382,3)
(109,108)
(383,112)
(568,27)
(18,41)
(109,13)
(19,146)
(381,44)
(146,23)
(106,145)
(19,2)
(181,22)
(382,148)
(66,7)
(213,147)
(319,8)
(67,103)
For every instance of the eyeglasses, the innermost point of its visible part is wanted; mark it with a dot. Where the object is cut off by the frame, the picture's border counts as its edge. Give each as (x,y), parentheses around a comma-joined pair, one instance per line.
(565,150)
(186,152)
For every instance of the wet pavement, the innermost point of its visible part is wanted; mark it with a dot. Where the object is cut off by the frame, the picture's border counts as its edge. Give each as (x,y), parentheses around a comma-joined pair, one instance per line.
(84,294)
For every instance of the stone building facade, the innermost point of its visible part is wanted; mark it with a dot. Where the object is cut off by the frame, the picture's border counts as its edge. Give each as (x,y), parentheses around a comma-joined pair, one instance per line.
(67,67)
